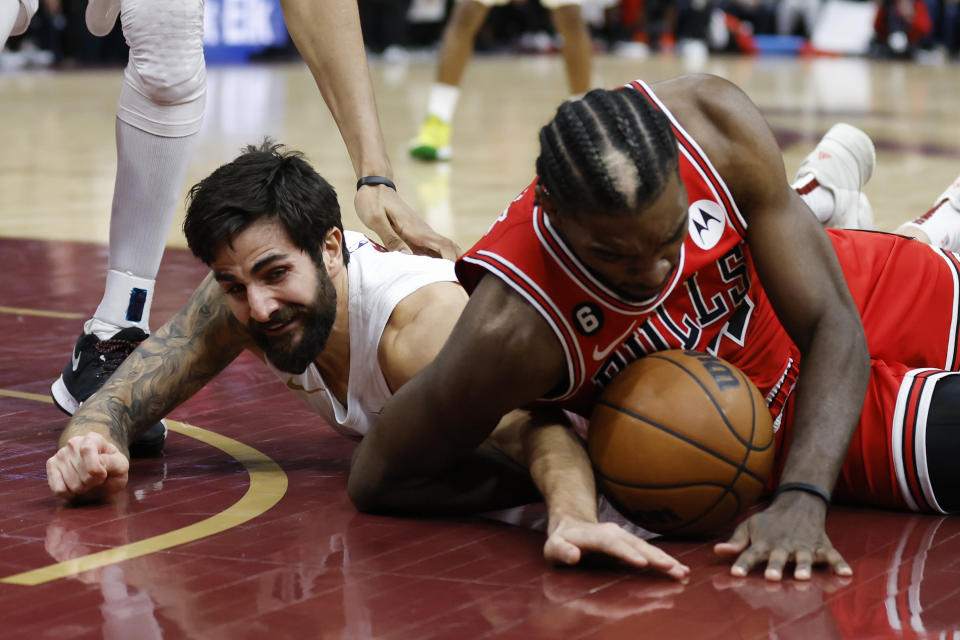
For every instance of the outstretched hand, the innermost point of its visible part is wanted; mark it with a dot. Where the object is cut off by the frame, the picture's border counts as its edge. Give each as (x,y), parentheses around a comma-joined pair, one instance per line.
(384,212)
(790,530)
(88,466)
(571,538)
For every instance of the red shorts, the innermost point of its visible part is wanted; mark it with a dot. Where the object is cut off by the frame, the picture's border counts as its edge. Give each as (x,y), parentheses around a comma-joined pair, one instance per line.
(907,294)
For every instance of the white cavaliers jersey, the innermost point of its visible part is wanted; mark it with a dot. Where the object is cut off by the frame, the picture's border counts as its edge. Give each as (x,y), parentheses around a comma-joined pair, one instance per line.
(377,281)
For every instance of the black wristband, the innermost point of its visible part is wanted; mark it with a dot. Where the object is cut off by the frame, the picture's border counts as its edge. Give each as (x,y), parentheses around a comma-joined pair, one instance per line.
(806,488)
(387,182)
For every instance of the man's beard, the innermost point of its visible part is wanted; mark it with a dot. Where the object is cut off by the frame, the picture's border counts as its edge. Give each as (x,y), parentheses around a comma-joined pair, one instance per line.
(317,321)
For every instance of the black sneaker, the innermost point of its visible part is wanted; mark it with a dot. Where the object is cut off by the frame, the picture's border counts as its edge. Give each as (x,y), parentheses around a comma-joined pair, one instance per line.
(92,362)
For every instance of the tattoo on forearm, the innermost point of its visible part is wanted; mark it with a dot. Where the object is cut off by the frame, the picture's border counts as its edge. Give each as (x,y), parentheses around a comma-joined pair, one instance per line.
(167,368)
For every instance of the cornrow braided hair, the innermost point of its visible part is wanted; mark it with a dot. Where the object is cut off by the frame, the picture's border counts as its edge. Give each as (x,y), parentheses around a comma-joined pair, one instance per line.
(609,152)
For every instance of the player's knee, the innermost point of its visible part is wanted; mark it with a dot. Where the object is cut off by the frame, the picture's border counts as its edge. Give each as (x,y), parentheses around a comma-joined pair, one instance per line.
(567,18)
(164,85)
(172,86)
(166,49)
(167,100)
(467,17)
(176,77)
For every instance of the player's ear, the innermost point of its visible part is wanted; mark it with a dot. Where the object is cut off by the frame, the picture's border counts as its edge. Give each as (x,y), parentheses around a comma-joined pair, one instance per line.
(333,251)
(544,202)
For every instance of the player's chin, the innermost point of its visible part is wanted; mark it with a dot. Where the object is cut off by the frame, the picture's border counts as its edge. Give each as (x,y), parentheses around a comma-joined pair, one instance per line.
(633,291)
(285,341)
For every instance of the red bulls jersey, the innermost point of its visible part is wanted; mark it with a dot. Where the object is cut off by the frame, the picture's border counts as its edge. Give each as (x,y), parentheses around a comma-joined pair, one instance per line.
(712,302)
(907,294)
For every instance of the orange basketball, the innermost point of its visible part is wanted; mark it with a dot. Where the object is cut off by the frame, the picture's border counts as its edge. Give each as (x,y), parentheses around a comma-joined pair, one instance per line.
(682,443)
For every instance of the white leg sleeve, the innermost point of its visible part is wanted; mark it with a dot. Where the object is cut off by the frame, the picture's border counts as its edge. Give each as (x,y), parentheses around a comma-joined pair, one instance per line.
(164,85)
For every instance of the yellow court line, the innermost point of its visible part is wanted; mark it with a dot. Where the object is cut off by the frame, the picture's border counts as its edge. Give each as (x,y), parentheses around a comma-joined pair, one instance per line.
(23,395)
(40,312)
(268,483)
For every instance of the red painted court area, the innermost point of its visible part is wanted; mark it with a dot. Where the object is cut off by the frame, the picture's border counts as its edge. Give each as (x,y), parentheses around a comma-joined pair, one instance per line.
(309,566)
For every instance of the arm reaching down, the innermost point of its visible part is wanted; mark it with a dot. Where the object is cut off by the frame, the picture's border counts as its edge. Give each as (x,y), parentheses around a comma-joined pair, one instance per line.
(163,372)
(544,441)
(328,36)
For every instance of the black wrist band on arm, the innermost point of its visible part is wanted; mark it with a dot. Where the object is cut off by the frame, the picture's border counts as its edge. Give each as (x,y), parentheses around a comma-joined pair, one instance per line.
(387,182)
(806,488)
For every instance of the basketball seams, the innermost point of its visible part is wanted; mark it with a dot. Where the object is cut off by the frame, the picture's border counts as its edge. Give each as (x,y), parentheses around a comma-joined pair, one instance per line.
(630,485)
(740,469)
(683,438)
(716,405)
(638,465)
(678,529)
(753,429)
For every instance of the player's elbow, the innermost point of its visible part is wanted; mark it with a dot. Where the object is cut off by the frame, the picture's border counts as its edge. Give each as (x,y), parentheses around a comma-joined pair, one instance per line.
(374,493)
(365,492)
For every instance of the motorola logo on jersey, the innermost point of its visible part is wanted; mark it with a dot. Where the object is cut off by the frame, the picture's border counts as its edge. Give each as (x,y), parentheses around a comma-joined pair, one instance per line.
(588,318)
(706,223)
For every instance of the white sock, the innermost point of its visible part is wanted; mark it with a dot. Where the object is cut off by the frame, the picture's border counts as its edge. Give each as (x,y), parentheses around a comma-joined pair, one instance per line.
(126,303)
(820,199)
(941,224)
(443,101)
(150,173)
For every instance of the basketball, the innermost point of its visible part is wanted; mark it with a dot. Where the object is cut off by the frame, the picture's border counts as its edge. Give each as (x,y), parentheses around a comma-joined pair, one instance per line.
(682,443)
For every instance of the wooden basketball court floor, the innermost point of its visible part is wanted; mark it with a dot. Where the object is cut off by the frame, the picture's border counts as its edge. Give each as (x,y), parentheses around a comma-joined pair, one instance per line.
(243,529)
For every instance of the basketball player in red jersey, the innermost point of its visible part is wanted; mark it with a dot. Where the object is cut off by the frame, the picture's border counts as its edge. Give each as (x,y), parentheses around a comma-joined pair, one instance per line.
(663,220)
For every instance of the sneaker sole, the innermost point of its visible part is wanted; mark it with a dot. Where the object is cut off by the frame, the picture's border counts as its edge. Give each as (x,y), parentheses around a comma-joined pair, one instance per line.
(63,398)
(431,153)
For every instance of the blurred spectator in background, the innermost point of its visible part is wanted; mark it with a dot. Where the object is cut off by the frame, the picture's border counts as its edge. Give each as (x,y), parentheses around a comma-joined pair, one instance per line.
(385,27)
(945,15)
(951,26)
(797,17)
(901,26)
(57,34)
(761,14)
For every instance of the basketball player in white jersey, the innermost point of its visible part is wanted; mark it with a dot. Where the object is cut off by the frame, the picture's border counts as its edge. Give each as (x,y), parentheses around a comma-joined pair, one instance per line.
(159,114)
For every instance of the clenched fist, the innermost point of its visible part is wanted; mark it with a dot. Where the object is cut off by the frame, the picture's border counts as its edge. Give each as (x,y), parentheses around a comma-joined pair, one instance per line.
(87,466)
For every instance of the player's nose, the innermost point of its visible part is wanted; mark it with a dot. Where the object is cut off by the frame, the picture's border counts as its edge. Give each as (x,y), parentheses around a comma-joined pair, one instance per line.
(262,304)
(650,274)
